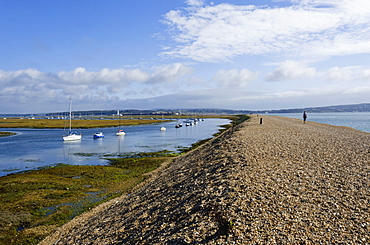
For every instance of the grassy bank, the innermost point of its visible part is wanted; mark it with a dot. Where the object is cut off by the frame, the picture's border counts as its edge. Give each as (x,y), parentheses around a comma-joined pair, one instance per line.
(47,123)
(35,203)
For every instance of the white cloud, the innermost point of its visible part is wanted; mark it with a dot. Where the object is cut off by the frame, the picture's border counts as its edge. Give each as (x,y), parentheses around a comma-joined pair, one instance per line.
(234,78)
(195,2)
(21,77)
(358,90)
(348,73)
(290,70)
(81,76)
(337,73)
(307,28)
(366,74)
(170,73)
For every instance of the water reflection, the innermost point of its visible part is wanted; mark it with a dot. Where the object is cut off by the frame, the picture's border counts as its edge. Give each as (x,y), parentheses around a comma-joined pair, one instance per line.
(33,148)
(69,149)
(120,140)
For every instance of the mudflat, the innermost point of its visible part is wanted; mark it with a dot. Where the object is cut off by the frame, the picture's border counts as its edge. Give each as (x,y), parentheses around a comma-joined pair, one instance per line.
(280,182)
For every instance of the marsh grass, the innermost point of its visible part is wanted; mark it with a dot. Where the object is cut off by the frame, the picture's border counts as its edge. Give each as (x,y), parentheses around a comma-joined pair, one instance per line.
(4,134)
(54,123)
(87,123)
(34,203)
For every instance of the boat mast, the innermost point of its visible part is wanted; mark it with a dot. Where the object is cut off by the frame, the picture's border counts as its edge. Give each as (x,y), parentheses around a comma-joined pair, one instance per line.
(70,115)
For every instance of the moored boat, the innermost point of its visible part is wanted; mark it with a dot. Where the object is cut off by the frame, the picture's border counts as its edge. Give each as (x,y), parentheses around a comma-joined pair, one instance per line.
(163,128)
(71,135)
(120,132)
(98,135)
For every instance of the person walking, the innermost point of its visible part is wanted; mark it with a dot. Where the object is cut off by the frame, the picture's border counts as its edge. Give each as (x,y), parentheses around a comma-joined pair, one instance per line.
(304,116)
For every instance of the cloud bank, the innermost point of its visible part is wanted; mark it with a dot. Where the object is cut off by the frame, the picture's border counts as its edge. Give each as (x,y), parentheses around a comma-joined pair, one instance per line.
(290,70)
(104,86)
(168,87)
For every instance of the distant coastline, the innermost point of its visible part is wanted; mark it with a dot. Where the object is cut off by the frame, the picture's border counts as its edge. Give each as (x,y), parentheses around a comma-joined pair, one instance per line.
(156,113)
(326,109)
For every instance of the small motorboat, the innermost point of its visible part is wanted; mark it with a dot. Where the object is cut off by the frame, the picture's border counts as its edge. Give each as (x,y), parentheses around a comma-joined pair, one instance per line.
(98,135)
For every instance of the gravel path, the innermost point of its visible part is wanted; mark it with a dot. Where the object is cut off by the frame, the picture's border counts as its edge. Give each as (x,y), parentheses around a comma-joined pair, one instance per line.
(282,182)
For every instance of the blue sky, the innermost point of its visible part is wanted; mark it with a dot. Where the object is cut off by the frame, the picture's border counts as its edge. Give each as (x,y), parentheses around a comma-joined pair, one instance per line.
(145,54)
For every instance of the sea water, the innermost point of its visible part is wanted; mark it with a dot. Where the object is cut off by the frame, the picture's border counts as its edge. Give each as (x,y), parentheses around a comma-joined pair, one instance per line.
(356,120)
(30,149)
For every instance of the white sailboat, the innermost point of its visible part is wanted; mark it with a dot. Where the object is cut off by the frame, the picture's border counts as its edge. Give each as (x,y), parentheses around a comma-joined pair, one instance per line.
(120,132)
(71,135)
(163,128)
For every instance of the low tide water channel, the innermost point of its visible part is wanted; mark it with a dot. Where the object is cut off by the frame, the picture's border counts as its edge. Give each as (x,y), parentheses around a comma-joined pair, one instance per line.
(30,149)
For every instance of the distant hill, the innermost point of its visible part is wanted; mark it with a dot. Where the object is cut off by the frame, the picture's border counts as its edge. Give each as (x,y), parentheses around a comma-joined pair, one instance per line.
(337,108)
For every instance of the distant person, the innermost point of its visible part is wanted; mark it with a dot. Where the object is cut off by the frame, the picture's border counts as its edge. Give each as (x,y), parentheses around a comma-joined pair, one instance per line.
(304,116)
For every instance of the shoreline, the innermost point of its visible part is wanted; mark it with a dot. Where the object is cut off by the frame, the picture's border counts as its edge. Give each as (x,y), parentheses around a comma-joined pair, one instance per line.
(277,182)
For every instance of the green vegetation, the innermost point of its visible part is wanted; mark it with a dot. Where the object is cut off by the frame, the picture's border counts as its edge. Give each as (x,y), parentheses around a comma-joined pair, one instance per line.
(34,203)
(3,134)
(240,119)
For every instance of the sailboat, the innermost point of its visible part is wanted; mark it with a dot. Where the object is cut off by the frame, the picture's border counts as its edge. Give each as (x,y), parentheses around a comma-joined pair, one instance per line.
(120,132)
(178,125)
(163,128)
(71,135)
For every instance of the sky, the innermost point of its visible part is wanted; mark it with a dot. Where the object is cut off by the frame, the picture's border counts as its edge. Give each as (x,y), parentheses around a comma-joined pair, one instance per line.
(181,54)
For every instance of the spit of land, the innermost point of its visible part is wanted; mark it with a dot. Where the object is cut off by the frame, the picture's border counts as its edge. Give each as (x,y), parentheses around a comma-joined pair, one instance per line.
(279,182)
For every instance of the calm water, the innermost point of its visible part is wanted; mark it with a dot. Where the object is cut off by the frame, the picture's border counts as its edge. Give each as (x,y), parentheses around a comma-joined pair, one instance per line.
(34,148)
(356,120)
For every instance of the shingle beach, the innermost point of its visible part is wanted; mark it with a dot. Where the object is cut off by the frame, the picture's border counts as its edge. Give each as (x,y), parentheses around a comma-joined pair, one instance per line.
(280,182)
